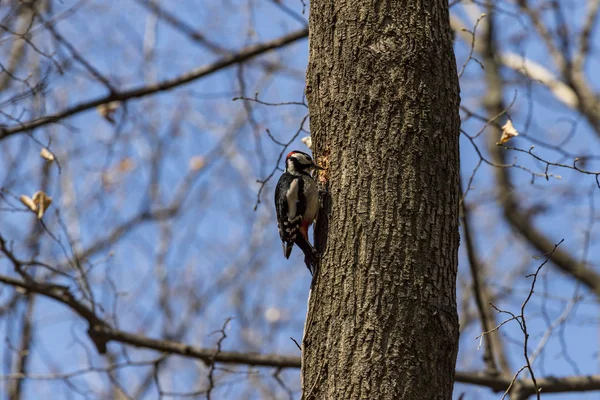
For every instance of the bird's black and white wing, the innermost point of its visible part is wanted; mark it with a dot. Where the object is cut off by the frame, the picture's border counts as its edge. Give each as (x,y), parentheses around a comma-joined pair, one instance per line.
(290,207)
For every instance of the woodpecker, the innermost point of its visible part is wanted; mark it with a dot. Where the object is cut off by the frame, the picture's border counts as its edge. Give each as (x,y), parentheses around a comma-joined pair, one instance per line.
(297,205)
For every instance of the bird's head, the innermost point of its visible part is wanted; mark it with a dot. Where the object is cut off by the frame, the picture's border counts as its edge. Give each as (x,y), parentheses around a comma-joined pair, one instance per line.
(298,162)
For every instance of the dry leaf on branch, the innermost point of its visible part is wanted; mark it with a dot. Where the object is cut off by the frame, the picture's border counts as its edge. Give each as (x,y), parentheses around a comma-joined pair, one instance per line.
(114,174)
(196,163)
(107,110)
(26,200)
(43,201)
(125,165)
(508,132)
(39,203)
(46,154)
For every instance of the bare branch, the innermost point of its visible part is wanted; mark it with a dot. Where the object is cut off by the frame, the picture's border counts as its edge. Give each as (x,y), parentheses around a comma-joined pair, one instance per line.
(518,220)
(226,61)
(542,30)
(175,22)
(589,24)
(538,73)
(493,344)
(101,334)
(76,55)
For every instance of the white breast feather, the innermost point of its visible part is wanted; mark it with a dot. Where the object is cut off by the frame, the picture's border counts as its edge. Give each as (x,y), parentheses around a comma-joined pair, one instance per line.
(312,198)
(292,199)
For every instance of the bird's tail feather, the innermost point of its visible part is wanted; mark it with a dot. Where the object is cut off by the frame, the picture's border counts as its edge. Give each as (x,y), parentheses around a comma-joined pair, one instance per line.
(287,249)
(310,254)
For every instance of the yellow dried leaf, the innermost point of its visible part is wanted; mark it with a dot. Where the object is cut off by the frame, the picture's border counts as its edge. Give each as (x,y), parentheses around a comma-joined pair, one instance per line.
(108,109)
(508,132)
(125,165)
(114,174)
(46,154)
(26,200)
(196,163)
(42,201)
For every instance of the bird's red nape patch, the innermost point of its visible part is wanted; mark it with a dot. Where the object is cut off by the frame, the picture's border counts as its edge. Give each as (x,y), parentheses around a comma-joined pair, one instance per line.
(290,154)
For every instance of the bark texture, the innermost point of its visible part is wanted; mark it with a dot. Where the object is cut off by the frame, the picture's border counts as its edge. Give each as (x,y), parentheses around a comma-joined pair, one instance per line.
(383,93)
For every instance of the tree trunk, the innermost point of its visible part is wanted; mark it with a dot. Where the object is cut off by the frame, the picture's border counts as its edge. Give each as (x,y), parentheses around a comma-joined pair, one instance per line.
(383,95)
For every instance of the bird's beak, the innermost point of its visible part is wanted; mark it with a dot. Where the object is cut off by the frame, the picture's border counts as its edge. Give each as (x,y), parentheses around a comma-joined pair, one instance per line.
(315,166)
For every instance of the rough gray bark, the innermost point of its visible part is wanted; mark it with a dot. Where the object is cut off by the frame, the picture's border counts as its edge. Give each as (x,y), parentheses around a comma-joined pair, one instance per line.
(383,95)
